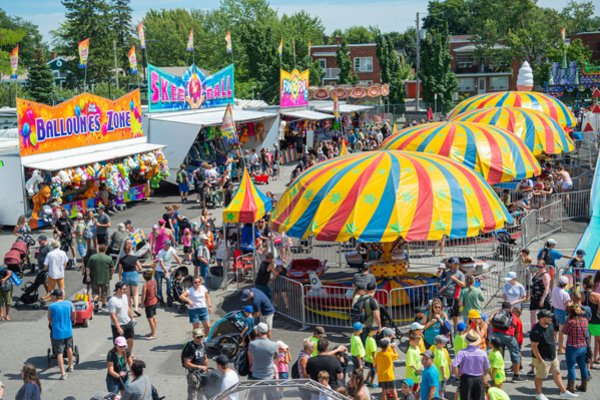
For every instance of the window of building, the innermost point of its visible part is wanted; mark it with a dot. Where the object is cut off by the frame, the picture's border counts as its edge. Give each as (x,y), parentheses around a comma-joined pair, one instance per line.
(323,62)
(363,64)
(465,85)
(499,83)
(465,60)
(366,82)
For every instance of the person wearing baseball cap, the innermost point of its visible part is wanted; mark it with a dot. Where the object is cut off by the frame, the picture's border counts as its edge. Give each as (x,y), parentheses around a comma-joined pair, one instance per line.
(248,321)
(406,386)
(230,378)
(384,362)
(577,264)
(262,307)
(452,281)
(194,358)
(472,365)
(128,227)
(202,256)
(550,256)
(102,225)
(430,377)
(508,336)
(61,313)
(264,352)
(561,300)
(318,333)
(513,291)
(357,347)
(43,251)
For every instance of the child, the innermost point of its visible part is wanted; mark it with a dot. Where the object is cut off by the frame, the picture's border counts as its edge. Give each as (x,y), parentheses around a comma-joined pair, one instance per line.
(357,348)
(406,388)
(441,361)
(323,379)
(248,321)
(495,393)
(282,363)
(497,362)
(417,328)
(459,341)
(186,239)
(220,246)
(413,361)
(370,353)
(384,363)
(517,311)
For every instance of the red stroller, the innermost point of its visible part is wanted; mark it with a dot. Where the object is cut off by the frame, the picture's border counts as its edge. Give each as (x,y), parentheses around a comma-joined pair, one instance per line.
(18,259)
(258,179)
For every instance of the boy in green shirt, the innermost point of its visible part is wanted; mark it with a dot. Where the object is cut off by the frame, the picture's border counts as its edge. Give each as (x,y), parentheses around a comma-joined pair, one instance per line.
(371,352)
(440,360)
(497,363)
(357,348)
(459,341)
(413,361)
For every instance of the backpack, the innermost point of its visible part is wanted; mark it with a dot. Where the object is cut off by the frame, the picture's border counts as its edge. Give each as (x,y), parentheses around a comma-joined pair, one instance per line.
(180,178)
(183,351)
(241,363)
(295,370)
(547,257)
(87,233)
(358,311)
(502,320)
(200,175)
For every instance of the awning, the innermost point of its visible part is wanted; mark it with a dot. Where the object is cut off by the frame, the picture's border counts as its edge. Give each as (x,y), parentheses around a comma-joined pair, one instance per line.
(215,117)
(345,108)
(307,114)
(57,160)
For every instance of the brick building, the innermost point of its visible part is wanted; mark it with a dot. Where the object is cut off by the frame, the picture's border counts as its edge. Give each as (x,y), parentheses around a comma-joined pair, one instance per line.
(364,60)
(590,39)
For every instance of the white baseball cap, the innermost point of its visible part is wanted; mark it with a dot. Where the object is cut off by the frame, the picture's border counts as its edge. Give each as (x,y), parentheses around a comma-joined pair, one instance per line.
(510,276)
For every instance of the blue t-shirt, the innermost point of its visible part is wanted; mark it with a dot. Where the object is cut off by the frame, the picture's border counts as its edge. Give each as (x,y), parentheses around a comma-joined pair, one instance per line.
(260,302)
(553,253)
(247,243)
(62,327)
(28,391)
(249,322)
(430,377)
(577,136)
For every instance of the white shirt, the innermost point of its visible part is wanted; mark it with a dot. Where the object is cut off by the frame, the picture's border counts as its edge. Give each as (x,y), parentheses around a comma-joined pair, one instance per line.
(56,260)
(166,256)
(198,297)
(230,378)
(119,306)
(513,293)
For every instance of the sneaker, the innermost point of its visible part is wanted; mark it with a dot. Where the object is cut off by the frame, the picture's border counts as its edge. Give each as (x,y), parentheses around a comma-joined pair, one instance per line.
(568,395)
(517,378)
(531,373)
(63,377)
(105,306)
(541,396)
(69,369)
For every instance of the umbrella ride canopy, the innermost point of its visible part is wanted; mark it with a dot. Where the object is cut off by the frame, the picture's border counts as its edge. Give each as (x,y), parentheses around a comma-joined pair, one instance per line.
(496,154)
(343,149)
(540,133)
(377,196)
(550,106)
(248,204)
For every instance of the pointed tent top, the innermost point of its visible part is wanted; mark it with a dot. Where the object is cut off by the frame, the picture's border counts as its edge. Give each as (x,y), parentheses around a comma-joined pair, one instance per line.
(595,109)
(248,204)
(563,64)
(550,78)
(588,128)
(596,93)
(576,82)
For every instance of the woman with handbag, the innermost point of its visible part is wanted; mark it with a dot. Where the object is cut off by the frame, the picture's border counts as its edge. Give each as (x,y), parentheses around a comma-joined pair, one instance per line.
(118,361)
(6,289)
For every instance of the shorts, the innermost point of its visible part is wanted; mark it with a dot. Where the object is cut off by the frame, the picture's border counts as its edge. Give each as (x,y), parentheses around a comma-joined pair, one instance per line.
(284,375)
(387,385)
(101,290)
(453,309)
(198,315)
(267,319)
(150,311)
(6,298)
(114,387)
(183,187)
(594,329)
(567,185)
(52,283)
(561,316)
(131,278)
(128,332)
(546,368)
(102,238)
(534,304)
(187,249)
(82,249)
(60,345)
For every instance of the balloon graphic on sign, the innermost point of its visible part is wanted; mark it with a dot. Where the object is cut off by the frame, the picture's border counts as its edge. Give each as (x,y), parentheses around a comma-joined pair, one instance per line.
(30,115)
(26,129)
(77,110)
(136,112)
(131,105)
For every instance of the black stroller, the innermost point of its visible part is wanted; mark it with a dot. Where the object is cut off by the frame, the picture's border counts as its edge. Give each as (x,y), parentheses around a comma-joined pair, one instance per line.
(65,245)
(504,249)
(31,296)
(182,281)
(183,224)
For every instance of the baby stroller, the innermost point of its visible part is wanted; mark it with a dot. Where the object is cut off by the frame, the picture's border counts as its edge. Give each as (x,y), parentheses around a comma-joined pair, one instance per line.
(182,281)
(225,334)
(65,245)
(504,249)
(18,259)
(31,297)
(183,224)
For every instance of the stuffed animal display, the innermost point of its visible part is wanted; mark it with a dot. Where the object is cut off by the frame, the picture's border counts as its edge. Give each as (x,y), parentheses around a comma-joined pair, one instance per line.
(39,200)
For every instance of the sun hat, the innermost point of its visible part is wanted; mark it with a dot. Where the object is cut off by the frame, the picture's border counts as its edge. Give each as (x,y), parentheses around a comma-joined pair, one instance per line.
(473,314)
(473,338)
(281,345)
(510,276)
(121,341)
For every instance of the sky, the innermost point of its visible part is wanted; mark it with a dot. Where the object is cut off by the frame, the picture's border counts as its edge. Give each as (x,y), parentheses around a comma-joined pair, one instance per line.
(389,15)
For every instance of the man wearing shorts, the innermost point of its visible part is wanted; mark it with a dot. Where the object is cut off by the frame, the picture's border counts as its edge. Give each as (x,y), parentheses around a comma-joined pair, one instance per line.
(60,315)
(450,280)
(184,183)
(545,360)
(121,318)
(102,225)
(55,264)
(99,270)
(262,307)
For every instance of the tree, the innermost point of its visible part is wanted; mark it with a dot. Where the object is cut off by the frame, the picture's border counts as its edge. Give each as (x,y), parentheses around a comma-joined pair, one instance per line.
(8,39)
(262,55)
(390,68)
(435,74)
(29,41)
(407,41)
(579,17)
(345,65)
(41,79)
(454,13)
(121,26)
(316,73)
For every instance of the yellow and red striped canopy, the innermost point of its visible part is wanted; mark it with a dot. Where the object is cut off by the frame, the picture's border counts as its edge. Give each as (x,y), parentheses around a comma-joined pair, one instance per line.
(248,204)
(495,153)
(343,149)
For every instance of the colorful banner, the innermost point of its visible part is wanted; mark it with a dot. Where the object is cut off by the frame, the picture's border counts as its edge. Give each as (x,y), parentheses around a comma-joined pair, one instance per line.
(190,91)
(14,63)
(336,108)
(132,61)
(135,193)
(140,31)
(294,88)
(228,40)
(190,43)
(309,46)
(348,91)
(280,50)
(563,33)
(228,129)
(84,48)
(82,121)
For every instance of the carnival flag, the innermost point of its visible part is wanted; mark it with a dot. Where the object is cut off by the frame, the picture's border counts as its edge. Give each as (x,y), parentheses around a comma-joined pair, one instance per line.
(228,40)
(140,30)
(14,63)
(84,48)
(563,32)
(309,49)
(281,48)
(228,127)
(190,43)
(132,61)
(336,107)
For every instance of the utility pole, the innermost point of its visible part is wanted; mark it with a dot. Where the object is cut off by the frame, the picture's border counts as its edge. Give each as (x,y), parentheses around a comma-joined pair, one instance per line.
(116,72)
(418,58)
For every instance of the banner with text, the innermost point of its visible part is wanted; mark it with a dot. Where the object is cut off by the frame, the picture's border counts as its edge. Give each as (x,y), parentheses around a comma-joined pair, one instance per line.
(82,121)
(294,88)
(191,91)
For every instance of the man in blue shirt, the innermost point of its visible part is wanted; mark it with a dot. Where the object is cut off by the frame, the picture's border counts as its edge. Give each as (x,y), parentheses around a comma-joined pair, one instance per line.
(262,307)
(60,315)
(548,253)
(430,378)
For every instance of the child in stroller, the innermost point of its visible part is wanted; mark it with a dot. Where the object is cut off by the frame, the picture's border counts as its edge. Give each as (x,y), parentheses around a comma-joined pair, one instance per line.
(182,281)
(18,259)
(506,241)
(31,297)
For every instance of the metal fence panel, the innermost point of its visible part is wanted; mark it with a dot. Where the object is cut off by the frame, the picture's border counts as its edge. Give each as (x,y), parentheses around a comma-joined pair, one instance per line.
(574,204)
(429,252)
(288,298)
(329,305)
(333,252)
(550,219)
(529,228)
(404,300)
(492,283)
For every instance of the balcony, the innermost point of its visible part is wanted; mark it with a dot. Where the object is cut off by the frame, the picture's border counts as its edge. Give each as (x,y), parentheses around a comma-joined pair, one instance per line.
(481,69)
(331,73)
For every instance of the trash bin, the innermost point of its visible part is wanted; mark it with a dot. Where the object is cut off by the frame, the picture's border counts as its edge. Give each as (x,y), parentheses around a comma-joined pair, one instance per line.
(216,278)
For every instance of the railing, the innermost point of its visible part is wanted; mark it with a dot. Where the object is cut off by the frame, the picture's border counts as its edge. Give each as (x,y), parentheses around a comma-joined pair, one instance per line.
(288,298)
(428,252)
(529,231)
(492,283)
(550,219)
(575,204)
(331,73)
(332,252)
(329,305)
(404,300)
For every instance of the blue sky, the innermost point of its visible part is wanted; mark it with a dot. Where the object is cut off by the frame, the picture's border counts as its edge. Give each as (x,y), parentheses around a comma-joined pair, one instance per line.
(390,15)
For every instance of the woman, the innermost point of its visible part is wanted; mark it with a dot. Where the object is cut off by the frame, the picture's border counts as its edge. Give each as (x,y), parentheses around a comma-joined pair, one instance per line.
(596,286)
(576,329)
(118,360)
(470,297)
(308,347)
(160,236)
(435,318)
(167,217)
(22,229)
(357,387)
(149,302)
(594,324)
(199,304)
(140,387)
(475,322)
(563,175)
(129,268)
(32,387)
(513,292)
(205,217)
(6,290)
(175,218)
(91,223)
(540,288)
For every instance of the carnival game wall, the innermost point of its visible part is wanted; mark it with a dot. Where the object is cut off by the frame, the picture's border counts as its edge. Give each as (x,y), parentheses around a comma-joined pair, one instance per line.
(12,197)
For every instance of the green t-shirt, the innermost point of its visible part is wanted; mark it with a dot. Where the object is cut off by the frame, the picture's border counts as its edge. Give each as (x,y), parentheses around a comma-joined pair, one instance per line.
(80,228)
(441,362)
(316,340)
(498,394)
(497,361)
(459,344)
(413,359)
(357,348)
(100,265)
(471,300)
(370,349)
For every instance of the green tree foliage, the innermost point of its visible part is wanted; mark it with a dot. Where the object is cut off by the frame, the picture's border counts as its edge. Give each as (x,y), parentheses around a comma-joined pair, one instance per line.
(454,13)
(41,79)
(579,17)
(29,38)
(123,31)
(407,41)
(8,97)
(389,64)
(103,90)
(355,34)
(263,56)
(344,63)
(435,74)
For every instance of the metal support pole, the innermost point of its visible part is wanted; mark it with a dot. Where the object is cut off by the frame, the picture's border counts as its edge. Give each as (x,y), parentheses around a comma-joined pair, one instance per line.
(116,71)
(418,60)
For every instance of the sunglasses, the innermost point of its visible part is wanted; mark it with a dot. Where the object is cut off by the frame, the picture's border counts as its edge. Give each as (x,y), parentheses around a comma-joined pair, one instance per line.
(198,337)
(197,282)
(437,308)
(121,347)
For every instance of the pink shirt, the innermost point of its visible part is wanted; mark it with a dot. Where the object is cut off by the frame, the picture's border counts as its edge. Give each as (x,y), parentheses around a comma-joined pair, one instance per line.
(187,240)
(159,240)
(281,365)
(560,297)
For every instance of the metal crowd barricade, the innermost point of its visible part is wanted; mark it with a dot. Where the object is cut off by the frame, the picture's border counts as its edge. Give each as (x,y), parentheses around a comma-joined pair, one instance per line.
(575,204)
(492,283)
(529,228)
(575,276)
(244,271)
(422,252)
(327,305)
(333,252)
(550,219)
(403,301)
(583,181)
(288,298)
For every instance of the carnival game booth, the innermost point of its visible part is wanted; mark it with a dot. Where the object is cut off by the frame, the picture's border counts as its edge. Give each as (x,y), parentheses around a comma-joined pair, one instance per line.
(67,153)
(186,113)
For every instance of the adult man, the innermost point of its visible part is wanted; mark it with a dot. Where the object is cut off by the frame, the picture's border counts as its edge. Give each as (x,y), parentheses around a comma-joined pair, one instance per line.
(430,378)
(194,359)
(121,318)
(550,256)
(230,378)
(318,334)
(64,230)
(163,267)
(60,315)
(55,264)
(203,256)
(450,280)
(364,276)
(117,239)
(98,270)
(201,182)
(254,164)
(102,225)
(263,276)
(370,306)
(324,362)
(262,307)
(184,183)
(508,336)
(471,366)
(228,196)
(544,352)
(264,354)
(43,251)
(80,241)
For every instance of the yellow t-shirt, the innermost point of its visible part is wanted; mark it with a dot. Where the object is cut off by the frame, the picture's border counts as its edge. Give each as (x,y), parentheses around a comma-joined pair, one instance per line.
(434,349)
(384,362)
(413,359)
(441,362)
